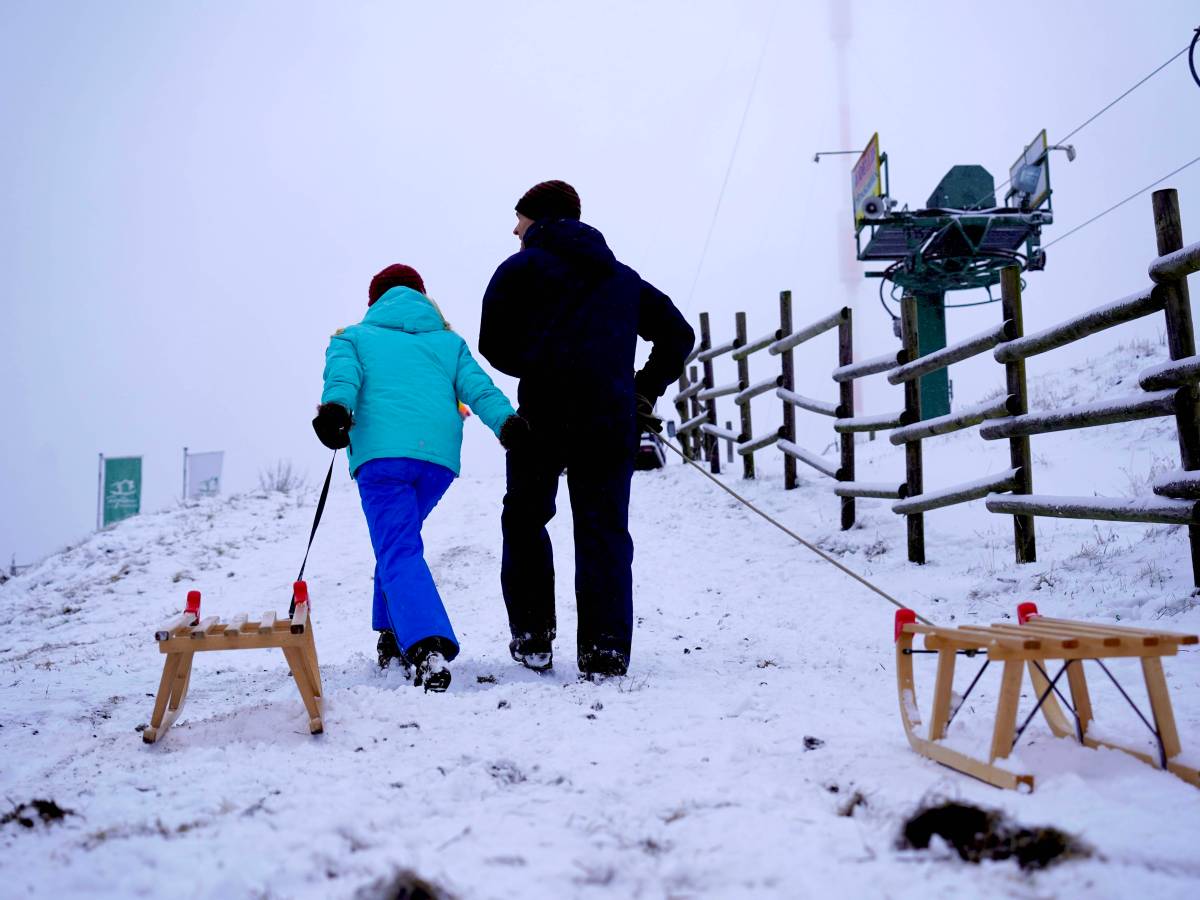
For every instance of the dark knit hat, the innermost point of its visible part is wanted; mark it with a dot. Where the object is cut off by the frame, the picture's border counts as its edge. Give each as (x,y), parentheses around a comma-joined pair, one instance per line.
(396,275)
(550,200)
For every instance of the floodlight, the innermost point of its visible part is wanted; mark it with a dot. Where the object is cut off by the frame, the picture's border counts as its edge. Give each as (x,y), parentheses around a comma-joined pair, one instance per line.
(1027,178)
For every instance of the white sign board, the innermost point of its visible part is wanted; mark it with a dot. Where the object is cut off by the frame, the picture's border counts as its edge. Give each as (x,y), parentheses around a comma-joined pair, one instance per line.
(204,474)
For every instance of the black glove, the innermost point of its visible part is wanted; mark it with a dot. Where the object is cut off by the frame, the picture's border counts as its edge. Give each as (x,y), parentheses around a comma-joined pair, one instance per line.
(646,419)
(515,433)
(332,425)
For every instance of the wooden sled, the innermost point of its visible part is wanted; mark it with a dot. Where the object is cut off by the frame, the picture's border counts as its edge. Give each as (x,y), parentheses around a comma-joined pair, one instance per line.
(1029,644)
(187,634)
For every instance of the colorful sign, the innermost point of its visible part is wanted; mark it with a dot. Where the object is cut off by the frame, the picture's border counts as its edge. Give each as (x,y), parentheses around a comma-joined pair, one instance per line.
(1030,175)
(120,488)
(866,179)
(203,474)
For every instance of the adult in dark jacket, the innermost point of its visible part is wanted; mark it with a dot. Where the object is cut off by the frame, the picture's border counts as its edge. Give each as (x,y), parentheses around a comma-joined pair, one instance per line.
(563,316)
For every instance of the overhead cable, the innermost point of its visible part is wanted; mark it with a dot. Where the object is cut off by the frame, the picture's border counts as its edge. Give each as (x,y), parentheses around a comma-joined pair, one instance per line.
(732,156)
(1121,203)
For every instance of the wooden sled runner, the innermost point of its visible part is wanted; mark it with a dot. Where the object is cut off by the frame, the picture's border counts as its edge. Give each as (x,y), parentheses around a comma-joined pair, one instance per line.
(187,634)
(1030,643)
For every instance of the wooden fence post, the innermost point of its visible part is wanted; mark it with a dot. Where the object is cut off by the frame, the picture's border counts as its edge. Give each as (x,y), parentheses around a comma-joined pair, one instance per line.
(696,436)
(743,368)
(789,383)
(846,402)
(712,447)
(1181,342)
(1018,447)
(681,410)
(913,478)
(729,444)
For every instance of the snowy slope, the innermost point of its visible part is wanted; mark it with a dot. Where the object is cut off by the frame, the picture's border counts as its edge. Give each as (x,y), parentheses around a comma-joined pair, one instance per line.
(688,778)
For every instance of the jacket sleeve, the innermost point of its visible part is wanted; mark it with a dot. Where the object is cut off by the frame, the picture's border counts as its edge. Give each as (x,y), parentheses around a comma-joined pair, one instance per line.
(474,388)
(343,373)
(505,335)
(661,323)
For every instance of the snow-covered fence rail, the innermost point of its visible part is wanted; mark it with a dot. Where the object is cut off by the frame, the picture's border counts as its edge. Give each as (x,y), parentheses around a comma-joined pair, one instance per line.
(1127,309)
(1176,265)
(1169,390)
(940,359)
(1088,415)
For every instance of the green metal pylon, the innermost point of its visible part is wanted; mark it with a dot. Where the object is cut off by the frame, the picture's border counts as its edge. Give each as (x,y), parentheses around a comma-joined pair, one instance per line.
(931,336)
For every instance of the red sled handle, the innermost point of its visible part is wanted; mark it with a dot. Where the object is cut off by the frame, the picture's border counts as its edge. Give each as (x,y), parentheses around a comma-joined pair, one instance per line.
(193,604)
(904,617)
(299,592)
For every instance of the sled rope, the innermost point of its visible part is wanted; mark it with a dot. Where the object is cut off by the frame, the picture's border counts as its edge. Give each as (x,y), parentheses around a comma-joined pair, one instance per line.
(821,553)
(317,518)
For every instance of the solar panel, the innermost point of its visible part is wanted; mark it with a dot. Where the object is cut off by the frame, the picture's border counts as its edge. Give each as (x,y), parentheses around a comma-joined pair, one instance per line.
(896,241)
(1005,237)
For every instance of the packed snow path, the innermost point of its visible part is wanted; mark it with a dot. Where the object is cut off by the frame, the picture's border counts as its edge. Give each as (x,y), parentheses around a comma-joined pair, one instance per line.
(753,750)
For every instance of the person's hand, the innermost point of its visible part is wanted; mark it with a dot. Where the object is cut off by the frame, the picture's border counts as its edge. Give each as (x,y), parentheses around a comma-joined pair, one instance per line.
(515,433)
(332,425)
(646,419)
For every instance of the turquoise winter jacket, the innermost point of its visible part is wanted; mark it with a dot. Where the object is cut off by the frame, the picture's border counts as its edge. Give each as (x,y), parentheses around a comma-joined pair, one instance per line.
(401,373)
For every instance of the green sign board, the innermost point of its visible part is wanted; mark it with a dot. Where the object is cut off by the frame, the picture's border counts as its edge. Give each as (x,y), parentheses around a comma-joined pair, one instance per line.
(121,488)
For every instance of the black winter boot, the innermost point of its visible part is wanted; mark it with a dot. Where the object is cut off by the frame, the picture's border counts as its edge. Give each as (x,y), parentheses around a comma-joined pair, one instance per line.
(534,652)
(429,661)
(387,649)
(610,663)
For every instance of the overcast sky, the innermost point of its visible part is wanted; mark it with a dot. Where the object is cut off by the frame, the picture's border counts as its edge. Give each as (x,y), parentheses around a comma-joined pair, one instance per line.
(196,194)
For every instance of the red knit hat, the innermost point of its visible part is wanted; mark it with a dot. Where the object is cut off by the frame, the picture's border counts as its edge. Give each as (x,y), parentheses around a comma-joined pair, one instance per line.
(550,200)
(397,275)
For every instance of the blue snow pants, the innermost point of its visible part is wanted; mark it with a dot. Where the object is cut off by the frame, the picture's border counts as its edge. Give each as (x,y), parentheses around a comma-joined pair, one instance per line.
(397,494)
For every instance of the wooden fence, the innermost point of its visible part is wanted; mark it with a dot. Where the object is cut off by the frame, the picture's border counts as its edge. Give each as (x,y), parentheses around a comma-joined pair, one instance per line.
(1166,390)
(1169,389)
(698,430)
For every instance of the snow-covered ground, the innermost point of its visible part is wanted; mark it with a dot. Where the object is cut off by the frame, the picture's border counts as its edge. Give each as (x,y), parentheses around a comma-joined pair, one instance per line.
(692,777)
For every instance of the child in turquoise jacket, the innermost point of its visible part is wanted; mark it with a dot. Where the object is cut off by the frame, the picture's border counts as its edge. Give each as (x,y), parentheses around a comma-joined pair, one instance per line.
(393,385)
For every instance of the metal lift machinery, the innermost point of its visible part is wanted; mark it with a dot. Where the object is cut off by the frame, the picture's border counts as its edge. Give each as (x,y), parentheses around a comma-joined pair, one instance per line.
(959,241)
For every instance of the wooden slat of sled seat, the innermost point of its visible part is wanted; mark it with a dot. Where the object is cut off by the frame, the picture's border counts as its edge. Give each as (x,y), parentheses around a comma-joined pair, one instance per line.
(1086,640)
(1123,630)
(199,631)
(1016,643)
(1049,640)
